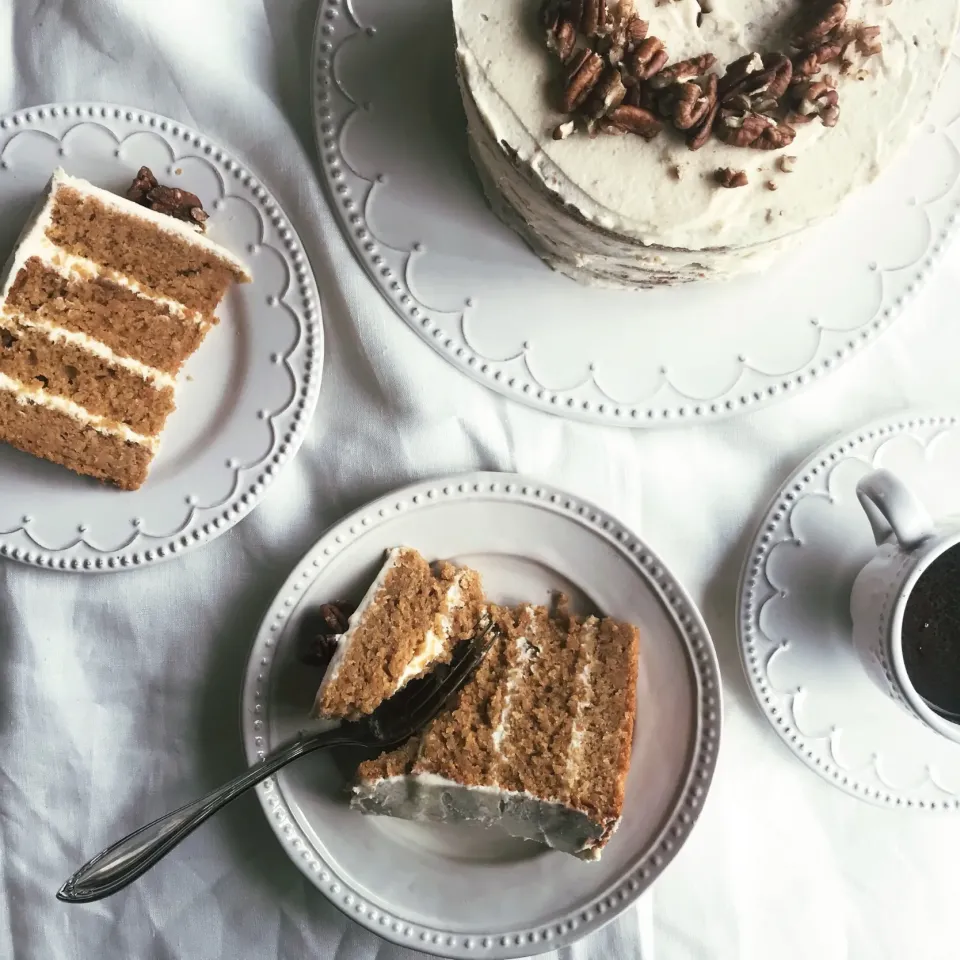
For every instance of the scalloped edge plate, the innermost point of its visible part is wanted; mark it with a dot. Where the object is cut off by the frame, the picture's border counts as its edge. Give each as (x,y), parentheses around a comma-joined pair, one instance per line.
(758,649)
(349,195)
(206,518)
(346,550)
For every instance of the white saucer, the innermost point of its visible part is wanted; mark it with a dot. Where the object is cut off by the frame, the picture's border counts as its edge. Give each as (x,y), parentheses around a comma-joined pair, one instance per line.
(391,138)
(468,892)
(794,622)
(244,400)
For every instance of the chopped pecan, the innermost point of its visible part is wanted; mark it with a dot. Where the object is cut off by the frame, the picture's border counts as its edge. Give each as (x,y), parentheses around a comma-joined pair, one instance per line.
(787,164)
(648,59)
(867,40)
(808,64)
(775,137)
(318,637)
(564,130)
(756,131)
(683,71)
(607,94)
(738,72)
(336,617)
(585,72)
(636,31)
(694,102)
(731,179)
(142,184)
(562,39)
(594,17)
(818,23)
(640,95)
(742,131)
(816,98)
(636,120)
(172,201)
(625,32)
(754,75)
(700,134)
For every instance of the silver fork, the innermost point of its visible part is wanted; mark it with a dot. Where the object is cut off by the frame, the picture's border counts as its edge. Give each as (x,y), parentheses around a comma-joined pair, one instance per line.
(393,722)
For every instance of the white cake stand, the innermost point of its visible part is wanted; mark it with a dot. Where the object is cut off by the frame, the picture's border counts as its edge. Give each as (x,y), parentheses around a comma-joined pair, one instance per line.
(391,137)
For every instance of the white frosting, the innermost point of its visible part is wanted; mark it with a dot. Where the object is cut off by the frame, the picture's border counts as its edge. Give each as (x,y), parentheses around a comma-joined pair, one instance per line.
(435,643)
(9,320)
(588,633)
(27,395)
(608,210)
(526,651)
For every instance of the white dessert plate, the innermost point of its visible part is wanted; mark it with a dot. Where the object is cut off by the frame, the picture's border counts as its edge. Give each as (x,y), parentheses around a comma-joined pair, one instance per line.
(244,399)
(392,142)
(461,891)
(794,621)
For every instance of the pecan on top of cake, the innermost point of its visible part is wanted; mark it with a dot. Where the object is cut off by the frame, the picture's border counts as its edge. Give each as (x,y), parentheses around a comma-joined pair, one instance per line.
(617,77)
(174,202)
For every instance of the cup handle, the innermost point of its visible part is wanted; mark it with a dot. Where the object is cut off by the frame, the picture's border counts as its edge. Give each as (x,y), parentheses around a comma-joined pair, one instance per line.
(892,508)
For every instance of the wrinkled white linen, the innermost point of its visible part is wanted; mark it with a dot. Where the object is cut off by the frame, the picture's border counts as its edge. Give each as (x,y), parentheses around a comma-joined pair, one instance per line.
(119,694)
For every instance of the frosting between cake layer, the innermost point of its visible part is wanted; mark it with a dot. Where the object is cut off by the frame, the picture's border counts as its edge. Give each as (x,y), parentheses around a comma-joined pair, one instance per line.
(589,633)
(525,652)
(434,643)
(592,202)
(26,395)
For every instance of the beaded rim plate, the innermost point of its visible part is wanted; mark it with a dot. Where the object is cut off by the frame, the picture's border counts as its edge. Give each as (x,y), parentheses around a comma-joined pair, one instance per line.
(527,539)
(794,626)
(390,135)
(246,397)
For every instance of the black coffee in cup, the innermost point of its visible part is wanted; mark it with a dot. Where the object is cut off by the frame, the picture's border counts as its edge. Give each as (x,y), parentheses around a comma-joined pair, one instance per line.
(931,634)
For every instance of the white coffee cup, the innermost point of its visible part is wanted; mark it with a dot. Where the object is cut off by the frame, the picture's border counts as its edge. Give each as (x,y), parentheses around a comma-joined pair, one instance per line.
(908,542)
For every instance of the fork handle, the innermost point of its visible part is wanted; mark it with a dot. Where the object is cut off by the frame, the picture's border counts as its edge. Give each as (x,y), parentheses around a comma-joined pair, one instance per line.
(131,857)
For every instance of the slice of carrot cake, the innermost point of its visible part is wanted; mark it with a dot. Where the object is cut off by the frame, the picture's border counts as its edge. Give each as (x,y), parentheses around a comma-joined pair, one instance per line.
(103,301)
(538,743)
(411,619)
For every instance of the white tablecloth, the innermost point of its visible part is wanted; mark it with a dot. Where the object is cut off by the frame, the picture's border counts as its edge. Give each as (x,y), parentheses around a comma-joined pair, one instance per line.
(118,694)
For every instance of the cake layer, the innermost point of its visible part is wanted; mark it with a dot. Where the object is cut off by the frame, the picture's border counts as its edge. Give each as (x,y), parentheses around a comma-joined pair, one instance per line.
(47,358)
(152,332)
(538,742)
(54,434)
(129,244)
(409,620)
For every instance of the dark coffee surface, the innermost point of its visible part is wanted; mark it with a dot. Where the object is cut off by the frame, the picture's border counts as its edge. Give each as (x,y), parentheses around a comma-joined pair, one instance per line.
(931,633)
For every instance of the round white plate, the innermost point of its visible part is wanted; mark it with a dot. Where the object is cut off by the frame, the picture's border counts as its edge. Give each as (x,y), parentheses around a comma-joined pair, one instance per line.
(391,136)
(244,399)
(469,892)
(794,619)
